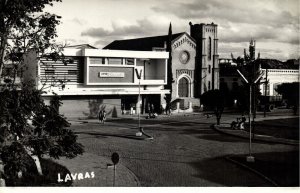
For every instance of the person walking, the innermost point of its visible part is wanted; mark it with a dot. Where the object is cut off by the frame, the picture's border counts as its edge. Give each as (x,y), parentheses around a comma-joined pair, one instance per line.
(149,110)
(102,116)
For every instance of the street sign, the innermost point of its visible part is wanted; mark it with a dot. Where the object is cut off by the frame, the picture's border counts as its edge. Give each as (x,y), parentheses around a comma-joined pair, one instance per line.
(115,158)
(138,74)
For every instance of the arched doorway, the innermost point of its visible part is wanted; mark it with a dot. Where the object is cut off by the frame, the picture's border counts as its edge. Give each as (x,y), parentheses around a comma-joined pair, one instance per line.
(183,87)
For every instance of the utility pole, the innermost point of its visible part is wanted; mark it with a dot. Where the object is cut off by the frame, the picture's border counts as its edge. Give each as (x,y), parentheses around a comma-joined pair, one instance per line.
(250,158)
(266,86)
(141,131)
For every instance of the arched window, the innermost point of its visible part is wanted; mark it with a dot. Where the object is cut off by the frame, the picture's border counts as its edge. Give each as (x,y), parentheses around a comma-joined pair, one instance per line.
(209,48)
(183,87)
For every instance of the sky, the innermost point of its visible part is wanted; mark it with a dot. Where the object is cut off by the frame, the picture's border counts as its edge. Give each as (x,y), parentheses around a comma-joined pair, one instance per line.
(274,24)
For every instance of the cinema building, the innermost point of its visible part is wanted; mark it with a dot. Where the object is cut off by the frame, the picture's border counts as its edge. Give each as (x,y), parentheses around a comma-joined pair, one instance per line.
(101,79)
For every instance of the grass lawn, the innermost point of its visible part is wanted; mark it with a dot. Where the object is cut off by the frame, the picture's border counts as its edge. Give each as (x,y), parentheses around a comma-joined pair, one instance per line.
(281,128)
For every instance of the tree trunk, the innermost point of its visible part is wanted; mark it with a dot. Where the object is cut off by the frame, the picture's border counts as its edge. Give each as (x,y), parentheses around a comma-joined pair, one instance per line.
(218,120)
(2,53)
(37,162)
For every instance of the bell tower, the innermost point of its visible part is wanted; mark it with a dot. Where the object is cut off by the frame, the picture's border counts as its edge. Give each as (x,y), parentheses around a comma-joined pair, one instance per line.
(207,57)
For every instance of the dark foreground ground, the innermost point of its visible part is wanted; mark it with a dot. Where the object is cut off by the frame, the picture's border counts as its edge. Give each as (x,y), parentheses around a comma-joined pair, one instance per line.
(186,151)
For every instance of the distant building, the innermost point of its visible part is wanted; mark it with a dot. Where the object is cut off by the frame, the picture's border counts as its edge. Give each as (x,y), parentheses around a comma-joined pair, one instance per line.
(195,66)
(277,72)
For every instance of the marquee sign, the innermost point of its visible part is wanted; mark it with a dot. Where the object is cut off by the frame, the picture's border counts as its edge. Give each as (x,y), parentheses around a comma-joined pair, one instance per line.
(111,74)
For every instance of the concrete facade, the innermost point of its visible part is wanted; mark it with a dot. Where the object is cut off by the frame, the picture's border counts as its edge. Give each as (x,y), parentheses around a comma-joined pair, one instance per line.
(277,77)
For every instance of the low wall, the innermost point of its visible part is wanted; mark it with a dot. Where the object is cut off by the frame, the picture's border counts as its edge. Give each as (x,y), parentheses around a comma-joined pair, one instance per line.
(88,106)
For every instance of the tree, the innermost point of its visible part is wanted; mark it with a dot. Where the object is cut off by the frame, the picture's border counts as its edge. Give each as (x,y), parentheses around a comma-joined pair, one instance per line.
(290,92)
(214,99)
(249,67)
(29,127)
(170,80)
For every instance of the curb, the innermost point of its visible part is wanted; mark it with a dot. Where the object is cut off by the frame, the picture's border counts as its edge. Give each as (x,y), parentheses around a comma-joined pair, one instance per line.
(256,137)
(252,170)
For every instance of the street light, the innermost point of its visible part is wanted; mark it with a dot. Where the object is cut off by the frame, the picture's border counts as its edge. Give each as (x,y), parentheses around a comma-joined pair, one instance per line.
(250,158)
(141,131)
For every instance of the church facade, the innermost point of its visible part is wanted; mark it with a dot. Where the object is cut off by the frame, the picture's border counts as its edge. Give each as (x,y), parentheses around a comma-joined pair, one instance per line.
(194,60)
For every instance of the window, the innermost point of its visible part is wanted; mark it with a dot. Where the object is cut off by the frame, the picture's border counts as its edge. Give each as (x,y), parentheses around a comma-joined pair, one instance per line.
(209,48)
(97,60)
(129,61)
(115,61)
(209,68)
(208,85)
(49,72)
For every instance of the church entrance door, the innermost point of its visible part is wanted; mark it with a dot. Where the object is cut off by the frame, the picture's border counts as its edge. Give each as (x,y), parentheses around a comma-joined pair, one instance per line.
(183,87)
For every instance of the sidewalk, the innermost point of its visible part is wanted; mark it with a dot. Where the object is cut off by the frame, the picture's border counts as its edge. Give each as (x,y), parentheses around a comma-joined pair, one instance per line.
(103,174)
(225,128)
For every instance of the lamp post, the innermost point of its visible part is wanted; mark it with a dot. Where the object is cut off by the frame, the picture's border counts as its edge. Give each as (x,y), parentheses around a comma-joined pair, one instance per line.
(141,131)
(250,158)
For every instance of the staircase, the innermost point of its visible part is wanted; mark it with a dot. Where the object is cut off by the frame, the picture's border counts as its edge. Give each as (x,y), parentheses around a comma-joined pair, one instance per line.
(184,103)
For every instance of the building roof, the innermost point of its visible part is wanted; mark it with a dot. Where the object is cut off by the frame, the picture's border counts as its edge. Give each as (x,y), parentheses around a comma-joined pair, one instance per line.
(275,64)
(141,44)
(81,46)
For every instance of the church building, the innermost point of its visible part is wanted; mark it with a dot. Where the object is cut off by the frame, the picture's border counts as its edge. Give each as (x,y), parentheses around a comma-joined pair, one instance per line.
(194,60)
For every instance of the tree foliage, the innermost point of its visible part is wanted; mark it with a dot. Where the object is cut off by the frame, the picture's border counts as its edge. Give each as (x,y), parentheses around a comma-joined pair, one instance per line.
(170,80)
(214,99)
(290,92)
(29,127)
(23,27)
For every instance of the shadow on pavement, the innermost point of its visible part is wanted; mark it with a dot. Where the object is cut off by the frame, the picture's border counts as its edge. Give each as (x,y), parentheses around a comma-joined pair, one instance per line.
(221,138)
(198,131)
(224,173)
(103,135)
(280,167)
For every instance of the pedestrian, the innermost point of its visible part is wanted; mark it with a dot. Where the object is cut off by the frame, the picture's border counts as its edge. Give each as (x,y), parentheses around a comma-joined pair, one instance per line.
(123,108)
(152,109)
(131,109)
(102,116)
(149,110)
(243,122)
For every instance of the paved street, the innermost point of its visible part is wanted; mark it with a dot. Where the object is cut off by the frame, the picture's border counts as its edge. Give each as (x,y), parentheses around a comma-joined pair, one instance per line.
(185,150)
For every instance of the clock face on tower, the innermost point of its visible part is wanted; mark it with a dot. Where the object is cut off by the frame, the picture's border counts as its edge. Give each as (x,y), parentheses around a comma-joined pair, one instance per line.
(184,57)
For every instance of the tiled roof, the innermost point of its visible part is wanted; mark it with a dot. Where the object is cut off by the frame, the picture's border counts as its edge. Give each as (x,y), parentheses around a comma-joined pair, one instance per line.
(275,64)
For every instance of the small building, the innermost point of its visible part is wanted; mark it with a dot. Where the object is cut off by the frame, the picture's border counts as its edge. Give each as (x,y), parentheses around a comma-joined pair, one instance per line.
(277,72)
(98,79)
